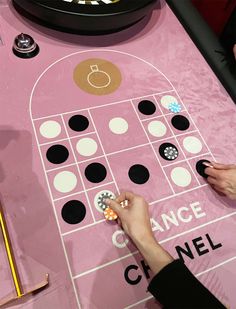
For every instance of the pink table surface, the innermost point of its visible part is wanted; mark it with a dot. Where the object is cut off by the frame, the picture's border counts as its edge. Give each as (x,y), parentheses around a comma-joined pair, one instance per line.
(39,247)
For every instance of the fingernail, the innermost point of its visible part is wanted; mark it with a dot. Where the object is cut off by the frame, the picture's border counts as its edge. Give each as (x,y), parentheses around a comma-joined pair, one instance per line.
(106,201)
(208,164)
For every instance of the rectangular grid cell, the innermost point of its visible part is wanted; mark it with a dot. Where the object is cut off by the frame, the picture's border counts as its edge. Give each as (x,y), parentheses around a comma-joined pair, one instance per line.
(96,132)
(147,107)
(167,101)
(111,156)
(157,128)
(118,127)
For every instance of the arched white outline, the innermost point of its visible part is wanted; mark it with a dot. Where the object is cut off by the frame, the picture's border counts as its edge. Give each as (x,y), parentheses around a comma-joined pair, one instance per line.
(93,51)
(31,116)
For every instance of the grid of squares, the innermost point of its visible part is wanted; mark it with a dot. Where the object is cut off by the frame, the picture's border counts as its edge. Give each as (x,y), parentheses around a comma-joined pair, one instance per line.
(97,141)
(133,137)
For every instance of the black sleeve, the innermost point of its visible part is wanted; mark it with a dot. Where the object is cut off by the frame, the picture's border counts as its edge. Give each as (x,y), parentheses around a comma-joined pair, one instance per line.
(176,287)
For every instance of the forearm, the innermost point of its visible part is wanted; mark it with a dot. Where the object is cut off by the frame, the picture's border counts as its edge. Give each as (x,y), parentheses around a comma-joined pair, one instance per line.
(173,285)
(176,287)
(155,256)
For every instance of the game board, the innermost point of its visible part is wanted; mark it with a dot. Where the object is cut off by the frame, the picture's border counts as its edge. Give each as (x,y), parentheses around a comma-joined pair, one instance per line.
(100,122)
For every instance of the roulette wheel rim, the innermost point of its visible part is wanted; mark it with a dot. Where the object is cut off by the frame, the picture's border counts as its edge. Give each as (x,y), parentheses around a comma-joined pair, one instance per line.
(72,16)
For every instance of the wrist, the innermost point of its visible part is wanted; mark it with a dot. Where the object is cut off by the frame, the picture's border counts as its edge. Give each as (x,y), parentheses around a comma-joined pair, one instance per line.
(144,240)
(154,254)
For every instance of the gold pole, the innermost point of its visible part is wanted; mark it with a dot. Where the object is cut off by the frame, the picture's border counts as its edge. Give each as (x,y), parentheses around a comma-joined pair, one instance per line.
(10,255)
(15,274)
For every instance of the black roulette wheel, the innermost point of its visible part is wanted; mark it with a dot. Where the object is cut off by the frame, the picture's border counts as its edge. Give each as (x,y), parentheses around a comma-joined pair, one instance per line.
(87,16)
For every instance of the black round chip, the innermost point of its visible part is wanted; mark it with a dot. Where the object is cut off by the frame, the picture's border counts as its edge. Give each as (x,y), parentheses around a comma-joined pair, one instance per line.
(139,174)
(89,17)
(95,172)
(73,212)
(180,122)
(147,107)
(57,154)
(78,123)
(200,167)
(168,151)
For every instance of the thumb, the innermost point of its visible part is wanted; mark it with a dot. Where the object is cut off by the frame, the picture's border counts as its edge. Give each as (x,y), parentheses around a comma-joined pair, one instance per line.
(114,206)
(220,166)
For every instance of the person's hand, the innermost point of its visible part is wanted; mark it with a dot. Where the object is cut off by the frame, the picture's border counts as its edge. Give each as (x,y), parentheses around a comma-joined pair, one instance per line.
(134,218)
(222,178)
(234,51)
(135,221)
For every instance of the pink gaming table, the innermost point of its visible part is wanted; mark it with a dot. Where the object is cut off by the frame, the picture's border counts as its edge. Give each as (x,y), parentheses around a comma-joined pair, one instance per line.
(92,264)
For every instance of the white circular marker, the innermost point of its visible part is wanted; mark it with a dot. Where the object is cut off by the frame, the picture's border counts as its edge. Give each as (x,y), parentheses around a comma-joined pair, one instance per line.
(50,129)
(157,128)
(167,99)
(181,176)
(99,199)
(65,181)
(118,125)
(192,144)
(86,147)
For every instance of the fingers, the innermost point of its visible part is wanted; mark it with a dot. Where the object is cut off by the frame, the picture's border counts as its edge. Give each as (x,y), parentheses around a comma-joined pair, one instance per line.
(125,196)
(220,166)
(219,190)
(212,172)
(212,181)
(114,206)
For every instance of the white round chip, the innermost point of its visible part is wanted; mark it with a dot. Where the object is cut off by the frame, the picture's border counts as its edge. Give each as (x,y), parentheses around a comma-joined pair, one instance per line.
(99,199)
(181,176)
(65,181)
(118,125)
(167,99)
(50,129)
(192,144)
(86,147)
(157,128)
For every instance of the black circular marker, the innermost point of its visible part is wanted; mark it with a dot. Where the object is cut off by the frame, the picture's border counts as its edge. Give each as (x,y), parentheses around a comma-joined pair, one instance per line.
(86,17)
(57,154)
(139,174)
(95,172)
(73,212)
(78,123)
(200,168)
(168,151)
(180,122)
(147,107)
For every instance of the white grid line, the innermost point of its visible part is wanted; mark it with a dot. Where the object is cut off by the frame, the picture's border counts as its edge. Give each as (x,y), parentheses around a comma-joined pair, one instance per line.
(59,167)
(158,116)
(195,125)
(180,148)
(150,203)
(57,221)
(95,107)
(66,138)
(179,193)
(79,192)
(152,146)
(67,196)
(30,107)
(118,191)
(124,150)
(78,169)
(160,242)
(83,227)
(198,156)
(196,275)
